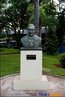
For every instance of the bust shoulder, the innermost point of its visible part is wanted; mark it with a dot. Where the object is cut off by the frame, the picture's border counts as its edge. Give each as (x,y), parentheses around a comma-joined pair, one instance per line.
(37,38)
(24,38)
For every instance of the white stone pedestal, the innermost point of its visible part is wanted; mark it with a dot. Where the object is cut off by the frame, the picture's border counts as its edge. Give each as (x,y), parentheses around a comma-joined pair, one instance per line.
(31,71)
(31,64)
(42,84)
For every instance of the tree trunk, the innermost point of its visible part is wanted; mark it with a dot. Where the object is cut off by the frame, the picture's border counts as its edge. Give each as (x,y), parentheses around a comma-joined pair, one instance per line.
(36,16)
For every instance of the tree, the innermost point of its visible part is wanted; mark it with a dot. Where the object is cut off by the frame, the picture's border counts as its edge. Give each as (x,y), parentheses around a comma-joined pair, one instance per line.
(48,14)
(2,2)
(33,10)
(49,19)
(51,43)
(17,16)
(36,14)
(17,13)
(61,27)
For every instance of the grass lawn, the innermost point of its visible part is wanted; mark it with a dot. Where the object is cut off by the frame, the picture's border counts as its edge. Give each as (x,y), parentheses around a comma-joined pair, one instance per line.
(10,63)
(49,61)
(8,51)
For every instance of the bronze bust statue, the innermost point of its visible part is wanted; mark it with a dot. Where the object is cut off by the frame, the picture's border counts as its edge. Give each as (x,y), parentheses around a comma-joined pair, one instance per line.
(31,40)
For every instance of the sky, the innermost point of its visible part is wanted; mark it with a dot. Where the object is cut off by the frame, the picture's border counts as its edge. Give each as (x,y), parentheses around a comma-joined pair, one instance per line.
(56,1)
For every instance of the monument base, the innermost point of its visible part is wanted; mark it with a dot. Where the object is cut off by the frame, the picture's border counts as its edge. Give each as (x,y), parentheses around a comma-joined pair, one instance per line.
(42,84)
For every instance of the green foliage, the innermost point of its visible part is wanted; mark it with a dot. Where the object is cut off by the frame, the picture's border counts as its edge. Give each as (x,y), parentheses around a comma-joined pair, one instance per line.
(61,27)
(47,13)
(49,8)
(62,60)
(1,3)
(20,13)
(1,35)
(30,10)
(15,16)
(42,19)
(48,16)
(51,44)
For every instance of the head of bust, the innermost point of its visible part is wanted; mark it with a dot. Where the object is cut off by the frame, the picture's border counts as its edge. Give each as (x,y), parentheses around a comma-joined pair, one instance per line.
(31,30)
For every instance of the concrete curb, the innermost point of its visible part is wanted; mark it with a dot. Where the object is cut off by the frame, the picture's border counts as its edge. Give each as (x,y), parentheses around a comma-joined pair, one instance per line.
(45,73)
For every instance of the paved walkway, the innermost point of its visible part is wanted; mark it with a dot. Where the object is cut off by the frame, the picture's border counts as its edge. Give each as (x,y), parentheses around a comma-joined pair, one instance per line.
(7,88)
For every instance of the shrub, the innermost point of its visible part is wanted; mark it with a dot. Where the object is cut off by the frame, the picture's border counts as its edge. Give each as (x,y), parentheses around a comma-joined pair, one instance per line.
(51,45)
(62,60)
